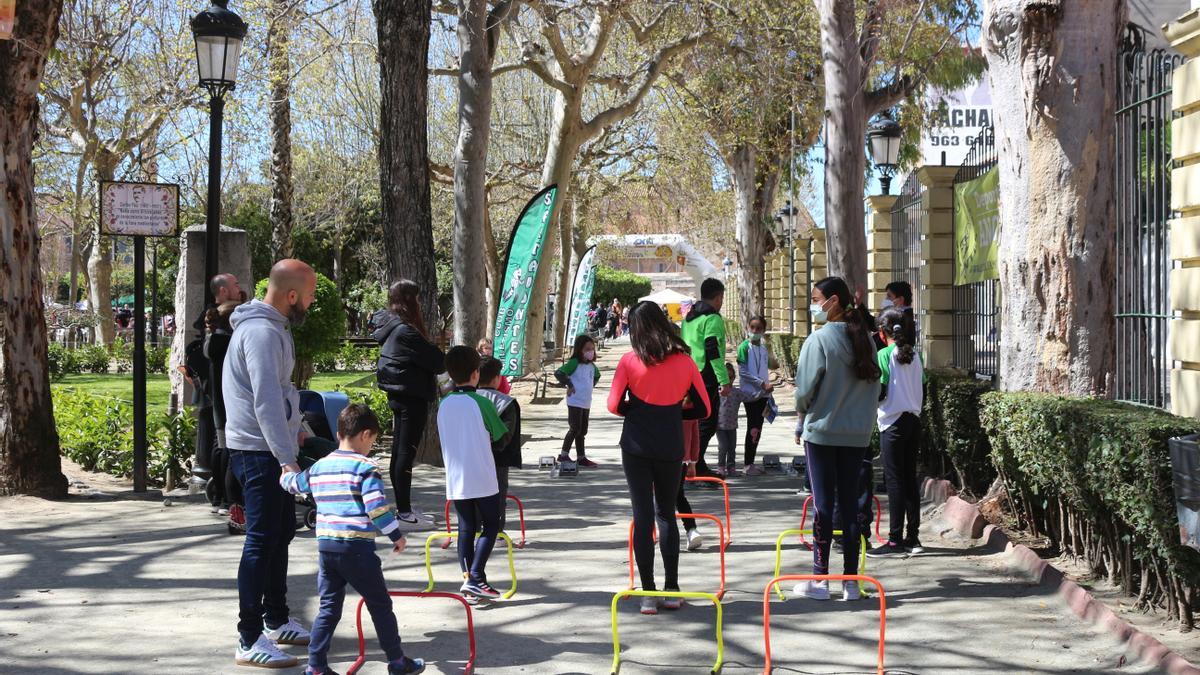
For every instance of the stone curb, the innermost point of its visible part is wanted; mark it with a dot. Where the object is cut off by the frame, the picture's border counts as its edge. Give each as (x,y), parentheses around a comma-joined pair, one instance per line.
(966,520)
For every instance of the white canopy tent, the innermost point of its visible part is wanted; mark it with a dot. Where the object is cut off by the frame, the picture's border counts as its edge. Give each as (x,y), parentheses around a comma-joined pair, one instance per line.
(667,297)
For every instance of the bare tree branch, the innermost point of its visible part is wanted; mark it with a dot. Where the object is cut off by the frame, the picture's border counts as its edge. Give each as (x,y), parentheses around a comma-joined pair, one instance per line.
(653,68)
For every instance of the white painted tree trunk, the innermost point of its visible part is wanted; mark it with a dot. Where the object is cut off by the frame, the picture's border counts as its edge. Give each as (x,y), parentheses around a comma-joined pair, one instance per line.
(563,144)
(754,195)
(100,262)
(845,153)
(1055,63)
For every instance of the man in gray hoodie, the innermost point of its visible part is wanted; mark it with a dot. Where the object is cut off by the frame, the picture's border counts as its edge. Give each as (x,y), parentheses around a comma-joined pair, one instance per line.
(262,428)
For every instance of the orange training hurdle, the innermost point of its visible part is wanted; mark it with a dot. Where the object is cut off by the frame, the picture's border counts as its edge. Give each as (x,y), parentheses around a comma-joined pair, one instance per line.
(861,579)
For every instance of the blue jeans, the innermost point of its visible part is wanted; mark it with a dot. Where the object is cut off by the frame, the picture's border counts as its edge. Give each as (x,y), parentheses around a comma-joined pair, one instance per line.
(835,473)
(360,568)
(480,515)
(270,528)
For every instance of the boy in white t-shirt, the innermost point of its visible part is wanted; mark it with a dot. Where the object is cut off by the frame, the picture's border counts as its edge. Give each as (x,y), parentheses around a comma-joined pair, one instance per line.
(467,424)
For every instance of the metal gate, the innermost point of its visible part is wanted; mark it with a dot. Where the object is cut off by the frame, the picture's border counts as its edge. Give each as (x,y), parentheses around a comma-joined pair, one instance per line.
(1143,205)
(977,306)
(906,238)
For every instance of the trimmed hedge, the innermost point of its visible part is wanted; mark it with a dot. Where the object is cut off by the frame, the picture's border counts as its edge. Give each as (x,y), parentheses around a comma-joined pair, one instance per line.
(953,445)
(1095,477)
(620,284)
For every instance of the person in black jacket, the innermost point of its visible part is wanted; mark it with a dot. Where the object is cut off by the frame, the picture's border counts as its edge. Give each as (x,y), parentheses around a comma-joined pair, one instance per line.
(407,370)
(216,344)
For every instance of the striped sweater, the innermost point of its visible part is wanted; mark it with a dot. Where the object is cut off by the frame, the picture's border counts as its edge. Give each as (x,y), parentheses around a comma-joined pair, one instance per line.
(351,501)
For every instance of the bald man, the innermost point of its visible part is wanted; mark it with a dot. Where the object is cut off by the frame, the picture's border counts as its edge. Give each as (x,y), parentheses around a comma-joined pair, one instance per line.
(224,288)
(262,426)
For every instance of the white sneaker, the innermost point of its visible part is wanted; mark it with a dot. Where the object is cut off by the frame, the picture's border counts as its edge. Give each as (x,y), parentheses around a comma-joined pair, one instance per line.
(414,520)
(694,540)
(264,654)
(290,633)
(427,517)
(851,591)
(813,590)
(650,605)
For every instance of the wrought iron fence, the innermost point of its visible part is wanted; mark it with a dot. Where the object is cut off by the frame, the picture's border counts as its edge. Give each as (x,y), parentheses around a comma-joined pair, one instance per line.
(906,237)
(977,305)
(1143,203)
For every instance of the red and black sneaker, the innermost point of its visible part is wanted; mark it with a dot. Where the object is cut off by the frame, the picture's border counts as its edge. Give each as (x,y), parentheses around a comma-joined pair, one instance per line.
(587,463)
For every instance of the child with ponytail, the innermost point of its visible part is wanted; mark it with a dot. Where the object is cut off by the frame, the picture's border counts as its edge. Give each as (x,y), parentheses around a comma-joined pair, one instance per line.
(902,376)
(837,395)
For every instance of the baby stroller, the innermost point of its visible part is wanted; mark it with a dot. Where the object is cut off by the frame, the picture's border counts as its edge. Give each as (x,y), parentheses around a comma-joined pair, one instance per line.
(319,411)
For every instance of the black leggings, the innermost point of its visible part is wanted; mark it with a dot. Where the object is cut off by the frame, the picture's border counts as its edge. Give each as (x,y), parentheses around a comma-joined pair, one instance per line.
(708,429)
(754,426)
(899,449)
(682,505)
(409,415)
(480,515)
(653,486)
(577,428)
(227,489)
(835,472)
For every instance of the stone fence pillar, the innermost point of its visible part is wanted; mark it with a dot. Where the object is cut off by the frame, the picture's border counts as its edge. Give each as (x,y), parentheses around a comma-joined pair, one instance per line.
(935,312)
(1184,332)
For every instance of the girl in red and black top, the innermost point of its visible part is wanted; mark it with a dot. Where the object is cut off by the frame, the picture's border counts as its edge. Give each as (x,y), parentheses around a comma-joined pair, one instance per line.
(648,390)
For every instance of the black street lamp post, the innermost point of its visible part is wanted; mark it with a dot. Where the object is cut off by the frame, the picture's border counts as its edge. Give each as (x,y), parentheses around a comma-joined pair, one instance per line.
(219,34)
(883,140)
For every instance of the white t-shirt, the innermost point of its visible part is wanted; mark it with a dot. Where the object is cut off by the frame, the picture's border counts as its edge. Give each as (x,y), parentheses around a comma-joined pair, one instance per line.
(905,386)
(467,423)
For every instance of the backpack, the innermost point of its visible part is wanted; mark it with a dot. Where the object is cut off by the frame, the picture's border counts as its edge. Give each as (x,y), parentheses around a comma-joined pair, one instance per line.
(196,366)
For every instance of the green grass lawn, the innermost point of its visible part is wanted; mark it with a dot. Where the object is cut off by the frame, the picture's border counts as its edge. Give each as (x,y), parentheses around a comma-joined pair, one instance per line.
(158,387)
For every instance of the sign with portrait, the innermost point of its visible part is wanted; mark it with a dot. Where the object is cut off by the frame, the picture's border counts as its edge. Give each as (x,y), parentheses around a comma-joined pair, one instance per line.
(139,209)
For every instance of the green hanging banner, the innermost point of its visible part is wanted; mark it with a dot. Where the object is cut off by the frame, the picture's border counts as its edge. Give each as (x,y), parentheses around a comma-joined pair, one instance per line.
(976,226)
(522,261)
(581,296)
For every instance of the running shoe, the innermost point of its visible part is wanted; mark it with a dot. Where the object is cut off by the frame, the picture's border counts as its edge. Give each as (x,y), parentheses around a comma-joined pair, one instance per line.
(732,472)
(264,654)
(650,605)
(694,540)
(813,590)
(587,463)
(887,550)
(671,603)
(913,546)
(312,671)
(406,666)
(480,589)
(851,591)
(754,470)
(290,633)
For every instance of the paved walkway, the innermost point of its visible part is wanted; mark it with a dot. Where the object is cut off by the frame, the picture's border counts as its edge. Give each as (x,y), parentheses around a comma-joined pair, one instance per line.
(131,586)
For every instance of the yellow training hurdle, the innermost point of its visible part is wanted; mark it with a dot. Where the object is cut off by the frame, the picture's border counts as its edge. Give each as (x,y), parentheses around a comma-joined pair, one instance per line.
(862,556)
(512,568)
(616,664)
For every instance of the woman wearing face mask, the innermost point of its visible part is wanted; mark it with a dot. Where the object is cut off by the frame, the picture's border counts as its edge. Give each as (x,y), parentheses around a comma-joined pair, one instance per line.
(837,395)
(754,379)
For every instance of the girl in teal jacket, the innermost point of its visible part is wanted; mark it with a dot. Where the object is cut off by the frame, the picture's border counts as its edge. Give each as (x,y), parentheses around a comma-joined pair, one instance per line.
(837,394)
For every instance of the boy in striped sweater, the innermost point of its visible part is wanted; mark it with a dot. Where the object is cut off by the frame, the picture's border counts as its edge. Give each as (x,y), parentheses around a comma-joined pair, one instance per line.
(351,507)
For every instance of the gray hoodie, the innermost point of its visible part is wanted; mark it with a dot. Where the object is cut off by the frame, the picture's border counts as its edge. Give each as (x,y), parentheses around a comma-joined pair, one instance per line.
(834,406)
(262,408)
